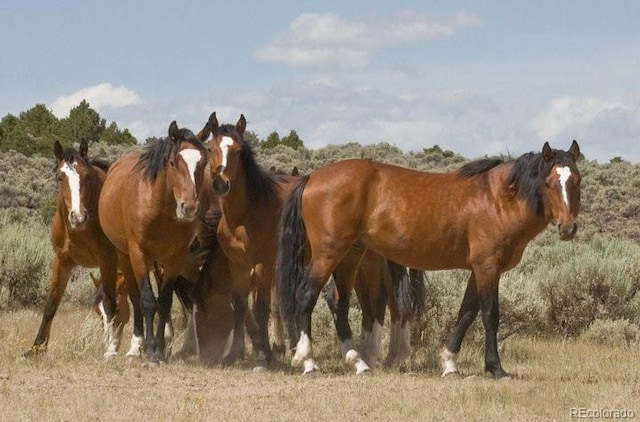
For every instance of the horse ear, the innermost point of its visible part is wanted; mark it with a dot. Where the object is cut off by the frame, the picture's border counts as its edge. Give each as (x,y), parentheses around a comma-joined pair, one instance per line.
(213,122)
(203,135)
(295,171)
(173,131)
(57,150)
(574,150)
(547,152)
(241,125)
(84,147)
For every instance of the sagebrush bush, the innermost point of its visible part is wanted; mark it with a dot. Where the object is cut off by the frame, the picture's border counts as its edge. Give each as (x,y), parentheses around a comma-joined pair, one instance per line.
(598,280)
(25,255)
(618,332)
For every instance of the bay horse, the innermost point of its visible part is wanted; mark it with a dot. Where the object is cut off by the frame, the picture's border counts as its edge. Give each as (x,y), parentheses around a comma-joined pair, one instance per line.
(480,217)
(78,239)
(251,200)
(149,209)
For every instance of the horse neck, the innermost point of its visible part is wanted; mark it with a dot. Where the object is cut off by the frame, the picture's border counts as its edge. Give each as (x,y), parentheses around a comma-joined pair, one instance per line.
(235,205)
(530,224)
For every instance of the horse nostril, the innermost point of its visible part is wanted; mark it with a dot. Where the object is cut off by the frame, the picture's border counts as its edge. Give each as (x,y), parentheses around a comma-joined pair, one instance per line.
(221,186)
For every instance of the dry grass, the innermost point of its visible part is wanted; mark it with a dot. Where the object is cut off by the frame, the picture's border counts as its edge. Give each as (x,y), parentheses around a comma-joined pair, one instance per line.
(71,382)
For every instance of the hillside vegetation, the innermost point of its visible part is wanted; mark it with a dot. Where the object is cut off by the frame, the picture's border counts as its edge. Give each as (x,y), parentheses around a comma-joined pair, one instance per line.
(586,287)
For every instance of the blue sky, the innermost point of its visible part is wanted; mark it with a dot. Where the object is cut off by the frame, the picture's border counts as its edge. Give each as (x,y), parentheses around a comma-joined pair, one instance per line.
(480,78)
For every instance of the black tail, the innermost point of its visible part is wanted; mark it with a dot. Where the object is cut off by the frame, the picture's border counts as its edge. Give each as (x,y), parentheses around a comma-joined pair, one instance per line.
(409,290)
(290,266)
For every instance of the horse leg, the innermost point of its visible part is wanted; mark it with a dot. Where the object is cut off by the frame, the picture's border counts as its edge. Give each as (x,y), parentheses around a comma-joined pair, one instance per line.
(109,279)
(148,307)
(373,302)
(236,352)
(137,338)
(398,287)
(467,313)
(278,347)
(262,312)
(306,298)
(165,300)
(60,273)
(490,311)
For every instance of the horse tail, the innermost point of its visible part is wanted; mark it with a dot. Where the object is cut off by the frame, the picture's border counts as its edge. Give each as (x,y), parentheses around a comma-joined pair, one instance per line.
(409,290)
(290,267)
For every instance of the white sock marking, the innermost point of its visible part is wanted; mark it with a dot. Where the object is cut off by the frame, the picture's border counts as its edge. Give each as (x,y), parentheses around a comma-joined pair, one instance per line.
(303,350)
(448,362)
(564,173)
(74,185)
(192,157)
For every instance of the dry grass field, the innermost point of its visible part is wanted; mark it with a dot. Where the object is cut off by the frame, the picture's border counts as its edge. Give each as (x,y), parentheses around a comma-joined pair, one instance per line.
(72,383)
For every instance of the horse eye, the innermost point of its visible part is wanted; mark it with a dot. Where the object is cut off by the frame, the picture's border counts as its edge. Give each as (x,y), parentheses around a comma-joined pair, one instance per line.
(172,163)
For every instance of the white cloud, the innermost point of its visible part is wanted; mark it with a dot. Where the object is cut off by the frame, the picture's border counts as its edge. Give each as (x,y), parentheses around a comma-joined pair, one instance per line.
(98,97)
(604,127)
(323,39)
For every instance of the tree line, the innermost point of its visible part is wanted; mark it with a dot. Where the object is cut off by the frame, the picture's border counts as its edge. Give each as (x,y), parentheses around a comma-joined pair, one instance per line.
(36,130)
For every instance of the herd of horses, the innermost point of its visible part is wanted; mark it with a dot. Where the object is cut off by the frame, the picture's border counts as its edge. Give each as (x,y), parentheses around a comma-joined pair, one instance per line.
(249,250)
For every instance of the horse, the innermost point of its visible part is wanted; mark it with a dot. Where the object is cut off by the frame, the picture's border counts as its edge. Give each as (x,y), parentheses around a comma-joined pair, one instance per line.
(149,209)
(480,217)
(251,200)
(78,239)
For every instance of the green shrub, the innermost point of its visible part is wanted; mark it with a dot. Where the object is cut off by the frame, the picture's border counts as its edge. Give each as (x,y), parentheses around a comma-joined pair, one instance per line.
(597,280)
(25,254)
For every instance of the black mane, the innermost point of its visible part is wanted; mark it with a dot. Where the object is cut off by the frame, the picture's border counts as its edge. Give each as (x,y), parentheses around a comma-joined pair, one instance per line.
(480,166)
(261,184)
(155,158)
(528,176)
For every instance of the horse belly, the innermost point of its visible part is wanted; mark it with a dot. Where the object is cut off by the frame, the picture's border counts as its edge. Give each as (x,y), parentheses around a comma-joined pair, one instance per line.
(422,253)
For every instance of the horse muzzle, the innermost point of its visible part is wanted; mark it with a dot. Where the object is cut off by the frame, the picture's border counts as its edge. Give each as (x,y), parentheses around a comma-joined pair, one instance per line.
(221,185)
(187,212)
(77,220)
(567,231)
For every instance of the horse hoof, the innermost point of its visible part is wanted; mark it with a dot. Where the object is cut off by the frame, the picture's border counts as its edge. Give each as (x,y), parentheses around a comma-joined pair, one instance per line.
(260,369)
(151,364)
(451,374)
(364,372)
(311,373)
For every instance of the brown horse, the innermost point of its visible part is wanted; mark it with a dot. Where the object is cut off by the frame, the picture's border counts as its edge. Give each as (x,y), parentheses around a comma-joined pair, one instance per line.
(250,199)
(149,208)
(480,218)
(77,237)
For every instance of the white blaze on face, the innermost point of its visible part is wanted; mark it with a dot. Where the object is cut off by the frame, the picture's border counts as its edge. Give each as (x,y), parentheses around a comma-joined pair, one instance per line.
(74,185)
(192,157)
(225,143)
(563,174)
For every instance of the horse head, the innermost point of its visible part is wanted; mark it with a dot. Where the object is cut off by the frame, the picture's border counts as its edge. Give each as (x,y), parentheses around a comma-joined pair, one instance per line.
(185,172)
(74,189)
(224,151)
(561,190)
